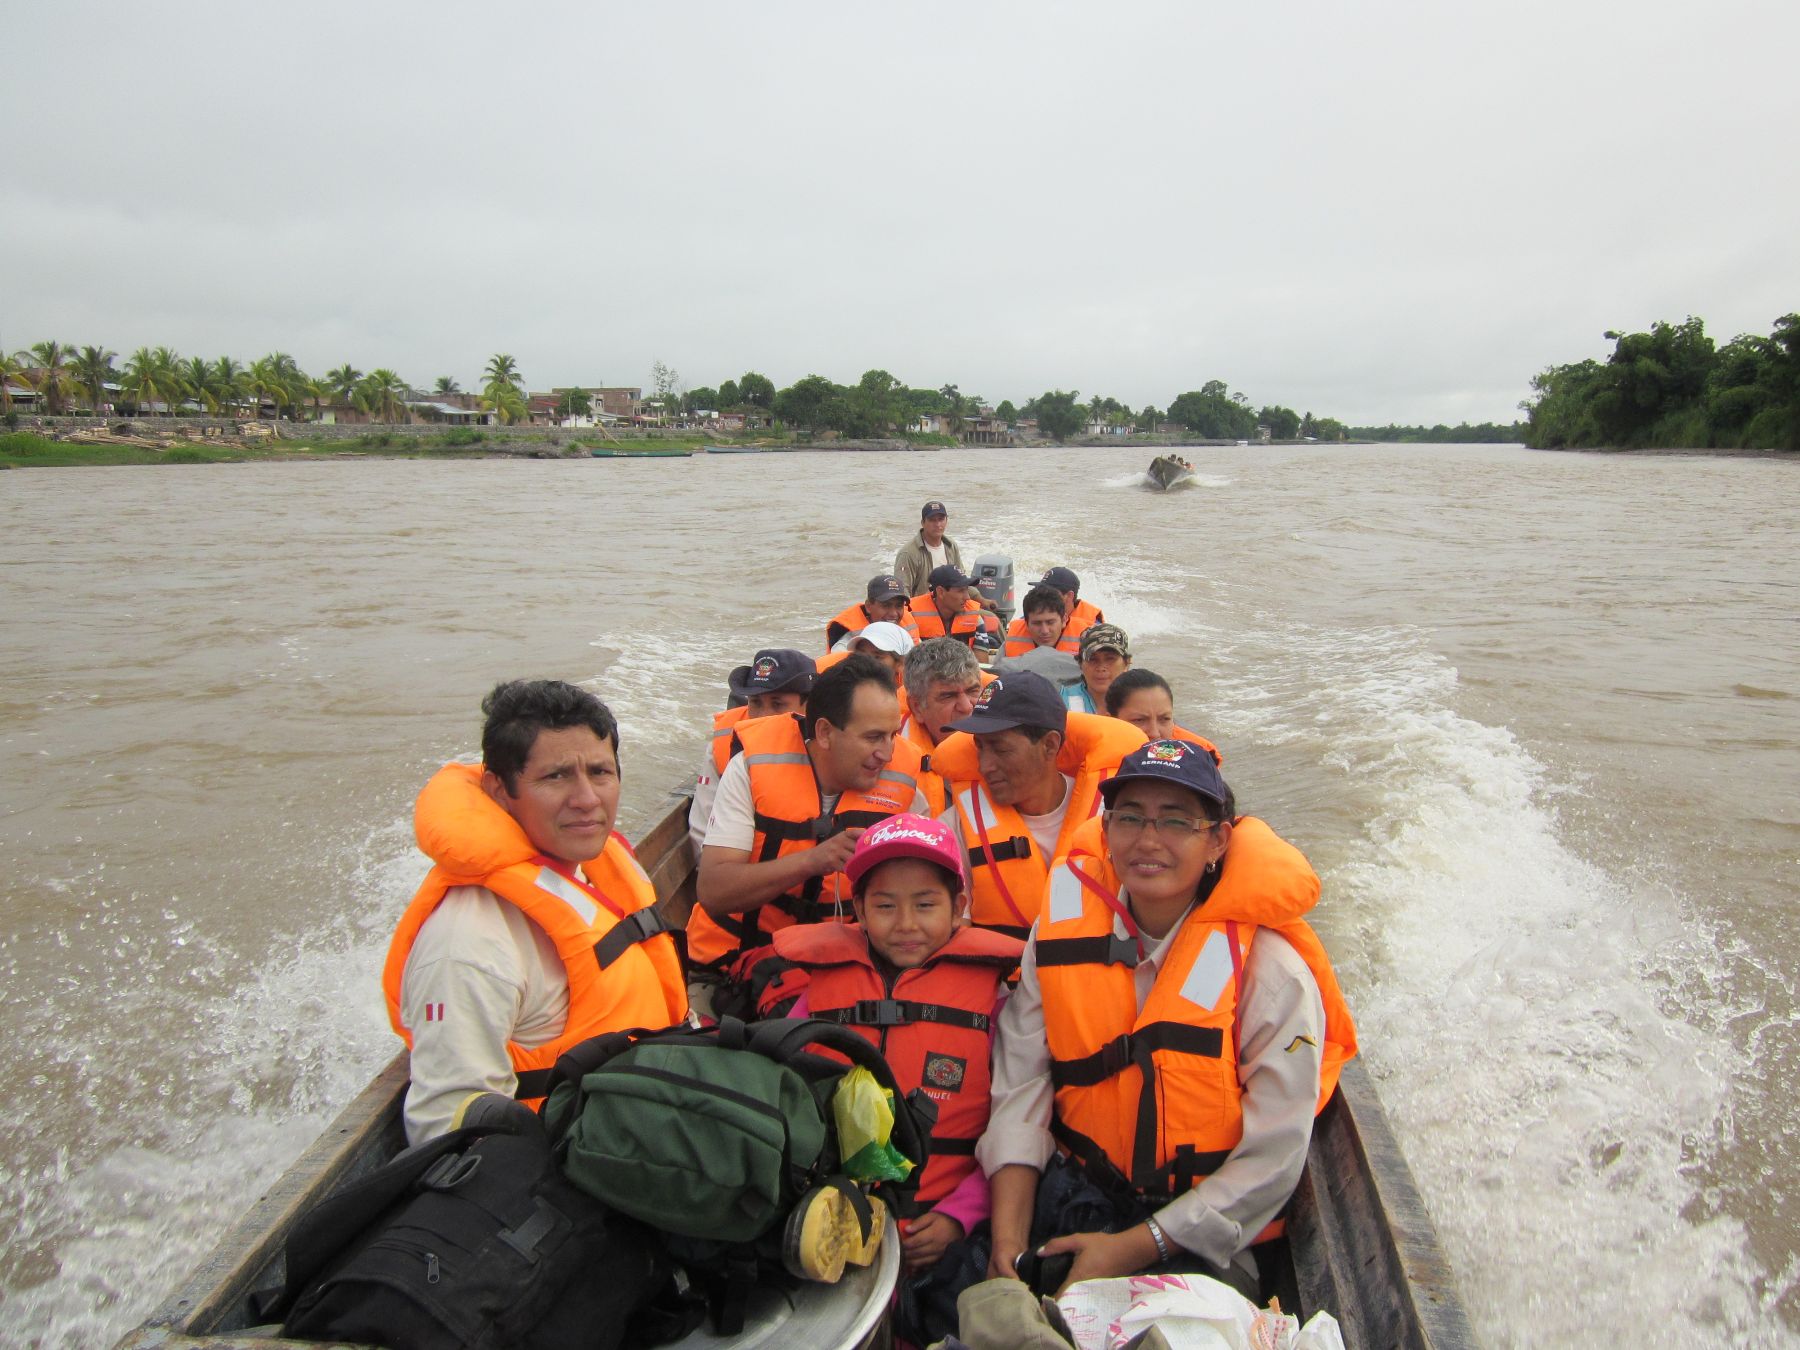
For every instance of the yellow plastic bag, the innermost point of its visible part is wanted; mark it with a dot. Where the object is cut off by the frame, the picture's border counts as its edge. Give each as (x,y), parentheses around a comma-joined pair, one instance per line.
(864,1112)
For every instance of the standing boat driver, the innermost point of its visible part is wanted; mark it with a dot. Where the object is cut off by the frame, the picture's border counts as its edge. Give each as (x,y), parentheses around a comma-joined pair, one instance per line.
(776,681)
(1176,1027)
(930,548)
(1105,655)
(885,602)
(1023,774)
(798,792)
(948,611)
(535,928)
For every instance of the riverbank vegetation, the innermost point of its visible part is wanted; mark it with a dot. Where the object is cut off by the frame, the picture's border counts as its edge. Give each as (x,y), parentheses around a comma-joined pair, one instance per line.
(1673,388)
(1464,433)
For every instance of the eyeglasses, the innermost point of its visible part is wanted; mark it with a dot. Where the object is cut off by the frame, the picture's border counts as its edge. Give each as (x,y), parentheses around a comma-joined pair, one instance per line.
(1176,829)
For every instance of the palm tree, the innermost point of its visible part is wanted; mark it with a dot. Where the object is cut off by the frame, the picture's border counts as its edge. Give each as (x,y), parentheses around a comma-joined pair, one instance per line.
(382,395)
(93,371)
(169,368)
(11,368)
(343,381)
(227,382)
(315,390)
(197,379)
(145,381)
(55,378)
(265,381)
(289,382)
(447,385)
(502,369)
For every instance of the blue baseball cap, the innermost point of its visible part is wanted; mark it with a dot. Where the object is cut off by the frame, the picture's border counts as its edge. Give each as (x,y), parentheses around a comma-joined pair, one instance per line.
(1176,762)
(1021,699)
(774,670)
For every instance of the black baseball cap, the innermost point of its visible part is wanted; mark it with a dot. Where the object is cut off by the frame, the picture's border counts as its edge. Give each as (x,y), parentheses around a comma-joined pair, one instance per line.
(949,575)
(1061,578)
(1023,699)
(1177,762)
(886,588)
(932,509)
(774,670)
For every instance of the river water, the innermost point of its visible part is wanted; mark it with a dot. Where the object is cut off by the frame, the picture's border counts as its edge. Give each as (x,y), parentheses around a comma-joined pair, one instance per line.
(1534,717)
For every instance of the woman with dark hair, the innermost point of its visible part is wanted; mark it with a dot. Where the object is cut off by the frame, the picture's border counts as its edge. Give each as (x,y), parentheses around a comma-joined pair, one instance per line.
(1144,699)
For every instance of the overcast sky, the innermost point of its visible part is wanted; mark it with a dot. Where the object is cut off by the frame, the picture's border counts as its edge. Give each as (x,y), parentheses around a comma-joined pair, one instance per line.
(1369,210)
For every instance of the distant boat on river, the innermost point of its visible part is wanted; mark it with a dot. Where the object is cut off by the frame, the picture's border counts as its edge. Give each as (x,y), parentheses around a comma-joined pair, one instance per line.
(1166,471)
(668,452)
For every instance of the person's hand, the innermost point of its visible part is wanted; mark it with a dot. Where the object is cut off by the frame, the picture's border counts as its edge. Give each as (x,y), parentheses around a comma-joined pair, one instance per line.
(832,855)
(926,1239)
(1002,1260)
(1100,1256)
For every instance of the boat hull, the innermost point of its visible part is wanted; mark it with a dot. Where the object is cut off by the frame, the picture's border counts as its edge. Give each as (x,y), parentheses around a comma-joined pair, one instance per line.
(1359,1242)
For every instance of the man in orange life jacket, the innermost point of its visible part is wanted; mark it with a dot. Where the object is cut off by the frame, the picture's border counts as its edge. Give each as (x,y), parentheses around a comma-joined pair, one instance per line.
(884,603)
(1042,619)
(1080,613)
(1021,781)
(535,928)
(1171,947)
(947,611)
(791,804)
(776,681)
(943,680)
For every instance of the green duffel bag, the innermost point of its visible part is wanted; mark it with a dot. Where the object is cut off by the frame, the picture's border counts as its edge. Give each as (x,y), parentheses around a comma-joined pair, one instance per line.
(712,1133)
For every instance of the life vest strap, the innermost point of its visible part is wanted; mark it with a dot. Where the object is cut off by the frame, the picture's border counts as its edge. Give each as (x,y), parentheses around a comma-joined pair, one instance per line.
(1187,1167)
(952,1148)
(1113,1057)
(532,1084)
(1005,851)
(1111,950)
(1009,929)
(895,1012)
(639,926)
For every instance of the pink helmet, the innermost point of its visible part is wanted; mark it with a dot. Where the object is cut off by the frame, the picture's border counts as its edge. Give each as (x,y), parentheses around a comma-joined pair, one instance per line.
(907,836)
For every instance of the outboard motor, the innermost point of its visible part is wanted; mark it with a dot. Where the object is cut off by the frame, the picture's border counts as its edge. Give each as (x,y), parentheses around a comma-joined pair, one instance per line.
(993,573)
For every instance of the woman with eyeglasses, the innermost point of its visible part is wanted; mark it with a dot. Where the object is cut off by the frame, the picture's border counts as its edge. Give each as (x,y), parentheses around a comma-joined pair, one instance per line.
(1175,1028)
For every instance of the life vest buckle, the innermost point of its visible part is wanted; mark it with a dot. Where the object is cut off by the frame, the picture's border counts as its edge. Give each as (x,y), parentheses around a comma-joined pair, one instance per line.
(822,827)
(1123,951)
(879,1012)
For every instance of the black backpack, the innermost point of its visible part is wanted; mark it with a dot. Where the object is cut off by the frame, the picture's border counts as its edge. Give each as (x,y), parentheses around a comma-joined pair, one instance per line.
(473,1241)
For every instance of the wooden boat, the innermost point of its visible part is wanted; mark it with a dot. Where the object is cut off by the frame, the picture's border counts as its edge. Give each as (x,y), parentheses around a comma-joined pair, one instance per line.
(1165,471)
(664,452)
(1359,1243)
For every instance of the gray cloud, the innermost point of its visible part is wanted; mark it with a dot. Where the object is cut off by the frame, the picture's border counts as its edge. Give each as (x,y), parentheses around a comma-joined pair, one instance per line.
(1387,210)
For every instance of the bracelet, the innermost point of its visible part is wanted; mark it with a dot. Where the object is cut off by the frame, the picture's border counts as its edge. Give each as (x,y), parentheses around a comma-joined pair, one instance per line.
(1159,1238)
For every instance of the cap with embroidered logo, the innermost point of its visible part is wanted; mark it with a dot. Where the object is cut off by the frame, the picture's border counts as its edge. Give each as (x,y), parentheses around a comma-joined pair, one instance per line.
(1178,763)
(1022,699)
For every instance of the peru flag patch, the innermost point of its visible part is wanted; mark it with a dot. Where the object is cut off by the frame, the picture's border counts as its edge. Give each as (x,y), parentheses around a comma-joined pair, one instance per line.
(434,1012)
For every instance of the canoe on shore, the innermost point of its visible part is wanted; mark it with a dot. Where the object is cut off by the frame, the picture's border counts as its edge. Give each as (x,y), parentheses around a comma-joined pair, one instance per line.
(1166,471)
(608,452)
(1359,1243)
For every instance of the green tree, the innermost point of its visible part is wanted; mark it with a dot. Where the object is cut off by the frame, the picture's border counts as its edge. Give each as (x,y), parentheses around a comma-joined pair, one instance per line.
(1283,423)
(447,384)
(756,390)
(502,369)
(228,382)
(702,398)
(805,402)
(1213,414)
(381,394)
(93,369)
(574,403)
(1060,414)
(729,397)
(196,376)
(12,372)
(502,393)
(343,381)
(55,377)
(1147,420)
(1006,412)
(147,381)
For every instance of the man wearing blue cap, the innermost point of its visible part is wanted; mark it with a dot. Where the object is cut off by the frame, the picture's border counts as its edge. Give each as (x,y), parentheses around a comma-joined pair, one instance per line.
(777,680)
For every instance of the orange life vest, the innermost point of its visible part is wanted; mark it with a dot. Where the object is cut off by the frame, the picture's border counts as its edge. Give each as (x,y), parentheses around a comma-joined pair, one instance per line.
(1008,870)
(932,1024)
(789,817)
(856,618)
(931,782)
(1157,1144)
(724,725)
(928,623)
(621,960)
(1019,639)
